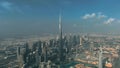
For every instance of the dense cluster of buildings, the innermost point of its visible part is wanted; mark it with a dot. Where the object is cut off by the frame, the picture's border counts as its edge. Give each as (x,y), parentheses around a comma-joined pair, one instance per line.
(85,51)
(64,51)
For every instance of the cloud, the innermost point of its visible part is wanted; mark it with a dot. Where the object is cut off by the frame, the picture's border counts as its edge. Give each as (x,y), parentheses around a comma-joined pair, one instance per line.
(100,19)
(6,5)
(86,16)
(110,21)
(94,15)
(11,7)
(100,15)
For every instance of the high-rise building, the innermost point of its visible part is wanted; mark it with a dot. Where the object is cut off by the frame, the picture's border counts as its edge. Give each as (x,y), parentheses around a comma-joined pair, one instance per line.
(45,53)
(60,39)
(37,56)
(100,58)
(18,54)
(19,57)
(80,41)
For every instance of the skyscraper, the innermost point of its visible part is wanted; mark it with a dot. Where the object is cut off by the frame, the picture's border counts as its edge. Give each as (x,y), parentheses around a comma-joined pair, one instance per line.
(80,41)
(19,57)
(60,39)
(37,56)
(18,54)
(100,58)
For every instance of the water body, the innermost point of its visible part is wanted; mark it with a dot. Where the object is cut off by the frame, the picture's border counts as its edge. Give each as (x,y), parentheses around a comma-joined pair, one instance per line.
(72,64)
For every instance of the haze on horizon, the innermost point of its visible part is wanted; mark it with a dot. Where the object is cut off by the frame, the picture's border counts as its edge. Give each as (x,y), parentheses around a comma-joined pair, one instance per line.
(30,17)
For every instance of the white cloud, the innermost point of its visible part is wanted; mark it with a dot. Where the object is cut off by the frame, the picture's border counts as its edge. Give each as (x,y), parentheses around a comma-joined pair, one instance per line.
(100,15)
(87,16)
(100,18)
(110,21)
(6,5)
(94,15)
(9,6)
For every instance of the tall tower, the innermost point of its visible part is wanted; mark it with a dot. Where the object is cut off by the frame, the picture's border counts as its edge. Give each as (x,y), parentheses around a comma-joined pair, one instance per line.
(18,54)
(100,58)
(80,41)
(45,52)
(19,57)
(60,39)
(37,56)
(60,25)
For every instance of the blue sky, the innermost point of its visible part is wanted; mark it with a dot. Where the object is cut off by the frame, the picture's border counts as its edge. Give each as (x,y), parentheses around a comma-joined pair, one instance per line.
(19,17)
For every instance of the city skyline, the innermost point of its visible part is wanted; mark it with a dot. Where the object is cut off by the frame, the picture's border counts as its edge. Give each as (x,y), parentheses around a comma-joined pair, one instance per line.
(41,16)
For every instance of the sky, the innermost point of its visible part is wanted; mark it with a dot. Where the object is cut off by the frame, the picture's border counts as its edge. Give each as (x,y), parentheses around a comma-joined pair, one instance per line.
(30,17)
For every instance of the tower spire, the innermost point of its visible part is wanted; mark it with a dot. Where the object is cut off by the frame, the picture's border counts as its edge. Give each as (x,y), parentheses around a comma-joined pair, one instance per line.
(60,23)
(60,38)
